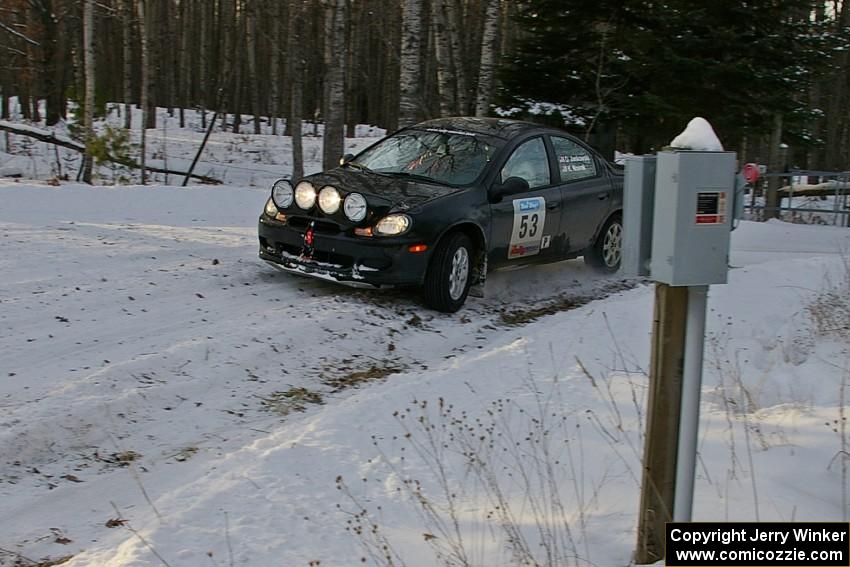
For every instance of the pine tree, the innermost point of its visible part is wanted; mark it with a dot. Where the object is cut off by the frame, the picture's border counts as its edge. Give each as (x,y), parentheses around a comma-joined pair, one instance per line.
(648,68)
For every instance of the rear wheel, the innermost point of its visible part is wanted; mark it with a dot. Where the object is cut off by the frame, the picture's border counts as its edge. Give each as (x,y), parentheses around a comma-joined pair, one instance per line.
(449,273)
(606,253)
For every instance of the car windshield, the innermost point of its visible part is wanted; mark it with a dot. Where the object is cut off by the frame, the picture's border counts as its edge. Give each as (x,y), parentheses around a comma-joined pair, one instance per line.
(448,157)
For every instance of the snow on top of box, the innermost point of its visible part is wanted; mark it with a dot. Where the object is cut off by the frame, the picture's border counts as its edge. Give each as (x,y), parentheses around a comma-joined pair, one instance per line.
(699,135)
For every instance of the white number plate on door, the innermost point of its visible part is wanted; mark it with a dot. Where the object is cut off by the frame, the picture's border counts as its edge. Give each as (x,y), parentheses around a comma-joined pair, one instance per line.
(529,221)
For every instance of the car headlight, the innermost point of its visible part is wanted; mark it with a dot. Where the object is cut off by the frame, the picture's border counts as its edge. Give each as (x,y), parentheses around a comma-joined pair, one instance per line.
(282,193)
(355,207)
(305,195)
(271,210)
(393,225)
(329,200)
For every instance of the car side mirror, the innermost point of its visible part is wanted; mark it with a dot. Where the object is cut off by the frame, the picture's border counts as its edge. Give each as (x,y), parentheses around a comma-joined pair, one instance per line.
(511,186)
(345,159)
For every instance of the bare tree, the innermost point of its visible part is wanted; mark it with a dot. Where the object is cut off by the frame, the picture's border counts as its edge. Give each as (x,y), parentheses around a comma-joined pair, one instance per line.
(771,201)
(152,67)
(143,38)
(182,78)
(236,92)
(202,63)
(411,68)
(88,117)
(836,120)
(274,71)
(297,68)
(127,48)
(489,54)
(227,64)
(453,20)
(334,108)
(443,53)
(52,44)
(254,84)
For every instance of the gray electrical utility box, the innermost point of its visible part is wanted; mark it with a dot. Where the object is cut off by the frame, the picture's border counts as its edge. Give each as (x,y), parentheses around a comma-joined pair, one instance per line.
(692,220)
(638,202)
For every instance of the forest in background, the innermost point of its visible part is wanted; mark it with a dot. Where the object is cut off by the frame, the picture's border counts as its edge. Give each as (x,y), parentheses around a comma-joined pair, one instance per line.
(624,75)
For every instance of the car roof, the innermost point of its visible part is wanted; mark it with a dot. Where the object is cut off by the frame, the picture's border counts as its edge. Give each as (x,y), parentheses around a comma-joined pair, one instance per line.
(496,127)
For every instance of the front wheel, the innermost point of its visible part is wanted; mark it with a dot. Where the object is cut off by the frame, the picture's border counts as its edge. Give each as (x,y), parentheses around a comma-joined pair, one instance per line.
(449,275)
(606,253)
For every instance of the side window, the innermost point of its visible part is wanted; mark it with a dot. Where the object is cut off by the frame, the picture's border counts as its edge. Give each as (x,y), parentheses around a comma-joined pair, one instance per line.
(530,163)
(574,162)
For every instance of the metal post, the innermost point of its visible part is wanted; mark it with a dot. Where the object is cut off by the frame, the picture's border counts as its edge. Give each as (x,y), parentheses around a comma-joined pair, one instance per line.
(691,386)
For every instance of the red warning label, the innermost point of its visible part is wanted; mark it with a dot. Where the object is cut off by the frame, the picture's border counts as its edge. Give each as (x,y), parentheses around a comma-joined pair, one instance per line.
(711,207)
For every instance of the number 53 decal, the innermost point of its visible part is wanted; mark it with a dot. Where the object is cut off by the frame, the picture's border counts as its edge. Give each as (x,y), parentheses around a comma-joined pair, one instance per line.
(529,220)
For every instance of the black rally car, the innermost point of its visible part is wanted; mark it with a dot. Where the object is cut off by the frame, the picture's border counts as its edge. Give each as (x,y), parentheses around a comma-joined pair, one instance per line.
(439,203)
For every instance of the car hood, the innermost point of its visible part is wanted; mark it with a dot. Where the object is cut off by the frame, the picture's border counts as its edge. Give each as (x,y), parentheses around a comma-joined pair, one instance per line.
(396,193)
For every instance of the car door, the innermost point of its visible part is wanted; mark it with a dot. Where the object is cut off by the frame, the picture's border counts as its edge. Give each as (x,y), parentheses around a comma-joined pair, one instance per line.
(525,227)
(585,192)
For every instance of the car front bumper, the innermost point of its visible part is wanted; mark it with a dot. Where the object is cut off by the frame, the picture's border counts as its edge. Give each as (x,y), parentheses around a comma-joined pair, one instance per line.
(339,257)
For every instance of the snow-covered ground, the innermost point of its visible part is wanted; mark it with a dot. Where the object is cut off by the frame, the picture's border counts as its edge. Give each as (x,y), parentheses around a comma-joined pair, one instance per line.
(167,398)
(242,159)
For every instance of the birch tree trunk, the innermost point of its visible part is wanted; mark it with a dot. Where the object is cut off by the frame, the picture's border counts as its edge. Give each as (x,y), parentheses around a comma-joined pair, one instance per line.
(507,40)
(274,90)
(183,78)
(453,20)
(166,62)
(443,53)
(88,117)
(236,97)
(298,67)
(203,83)
(152,67)
(251,33)
(239,38)
(334,111)
(353,70)
(489,54)
(410,69)
(227,26)
(143,38)
(127,48)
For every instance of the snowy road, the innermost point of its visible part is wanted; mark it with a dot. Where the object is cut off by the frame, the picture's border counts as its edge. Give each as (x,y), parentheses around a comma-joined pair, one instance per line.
(140,334)
(141,320)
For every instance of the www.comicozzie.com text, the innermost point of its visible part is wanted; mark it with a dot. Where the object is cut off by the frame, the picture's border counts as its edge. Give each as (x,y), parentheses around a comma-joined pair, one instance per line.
(755,534)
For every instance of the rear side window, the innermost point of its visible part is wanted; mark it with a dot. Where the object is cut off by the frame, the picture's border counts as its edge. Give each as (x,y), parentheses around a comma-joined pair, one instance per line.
(574,162)
(529,162)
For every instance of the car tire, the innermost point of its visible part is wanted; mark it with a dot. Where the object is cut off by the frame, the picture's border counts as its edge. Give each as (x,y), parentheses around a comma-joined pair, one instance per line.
(449,273)
(606,253)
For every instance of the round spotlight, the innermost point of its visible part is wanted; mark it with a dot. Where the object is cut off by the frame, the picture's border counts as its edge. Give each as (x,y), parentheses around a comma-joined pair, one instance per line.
(305,195)
(355,207)
(282,193)
(329,200)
